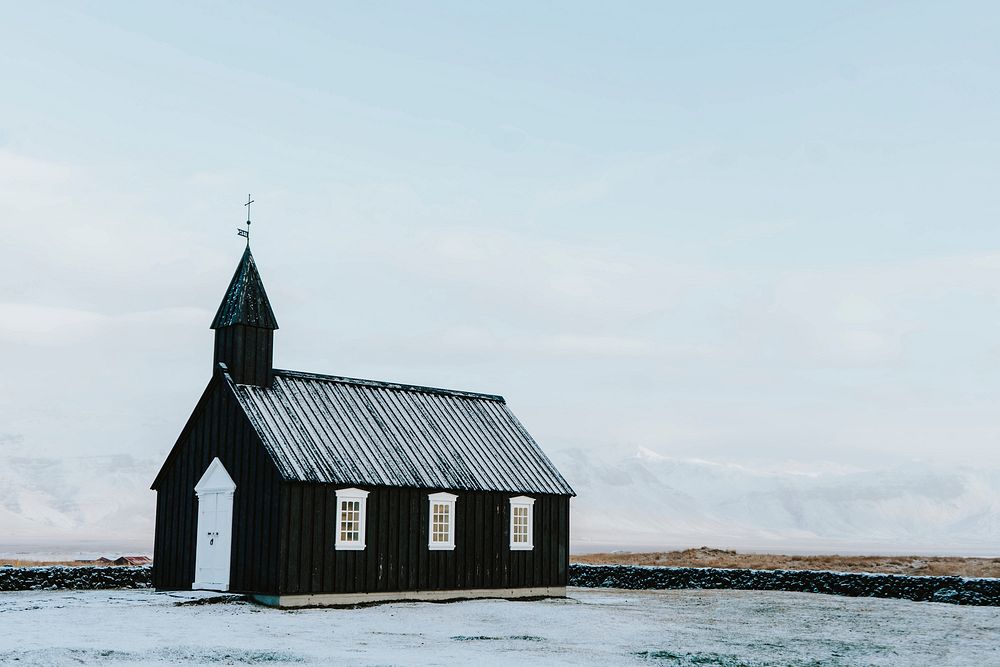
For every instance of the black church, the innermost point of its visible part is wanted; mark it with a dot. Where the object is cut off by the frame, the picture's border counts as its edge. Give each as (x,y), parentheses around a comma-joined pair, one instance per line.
(308,489)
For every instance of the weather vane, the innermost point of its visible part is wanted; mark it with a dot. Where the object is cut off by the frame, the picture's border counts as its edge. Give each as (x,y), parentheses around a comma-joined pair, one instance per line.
(246,232)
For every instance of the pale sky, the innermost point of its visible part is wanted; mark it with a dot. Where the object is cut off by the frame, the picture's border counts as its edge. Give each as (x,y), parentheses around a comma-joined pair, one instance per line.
(751,232)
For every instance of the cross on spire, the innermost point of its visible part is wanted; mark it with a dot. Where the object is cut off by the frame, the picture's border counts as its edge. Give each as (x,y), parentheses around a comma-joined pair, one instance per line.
(246,232)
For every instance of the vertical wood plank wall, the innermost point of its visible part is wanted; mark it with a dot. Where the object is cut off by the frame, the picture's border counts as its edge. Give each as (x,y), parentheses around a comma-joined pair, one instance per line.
(284,533)
(219,429)
(247,352)
(396,557)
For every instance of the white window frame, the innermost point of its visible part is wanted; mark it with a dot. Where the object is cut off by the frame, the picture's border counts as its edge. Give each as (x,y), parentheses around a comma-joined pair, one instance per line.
(529,503)
(349,495)
(442,498)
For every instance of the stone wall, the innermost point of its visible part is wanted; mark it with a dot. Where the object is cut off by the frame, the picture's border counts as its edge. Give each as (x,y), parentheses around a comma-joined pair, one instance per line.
(955,590)
(53,577)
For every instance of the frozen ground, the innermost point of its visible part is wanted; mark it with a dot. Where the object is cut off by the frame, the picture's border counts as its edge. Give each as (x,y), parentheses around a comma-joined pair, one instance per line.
(593,627)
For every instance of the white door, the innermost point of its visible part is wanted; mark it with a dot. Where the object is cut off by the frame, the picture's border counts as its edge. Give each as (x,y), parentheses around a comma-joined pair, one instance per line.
(215,525)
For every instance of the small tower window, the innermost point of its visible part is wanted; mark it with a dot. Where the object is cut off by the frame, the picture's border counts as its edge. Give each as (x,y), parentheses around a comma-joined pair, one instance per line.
(522,523)
(351,506)
(441,531)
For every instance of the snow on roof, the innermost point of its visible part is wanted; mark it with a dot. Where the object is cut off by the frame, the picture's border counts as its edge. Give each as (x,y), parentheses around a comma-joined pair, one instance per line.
(245,301)
(321,428)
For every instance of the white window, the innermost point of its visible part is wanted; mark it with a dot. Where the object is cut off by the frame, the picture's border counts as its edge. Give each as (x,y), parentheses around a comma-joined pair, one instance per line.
(441,531)
(522,523)
(351,505)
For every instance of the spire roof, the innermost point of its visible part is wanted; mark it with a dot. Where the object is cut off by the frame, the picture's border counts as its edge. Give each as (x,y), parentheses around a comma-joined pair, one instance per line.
(245,301)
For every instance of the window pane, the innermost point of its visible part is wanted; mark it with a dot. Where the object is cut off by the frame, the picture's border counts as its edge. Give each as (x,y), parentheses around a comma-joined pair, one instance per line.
(519,529)
(441,522)
(350,521)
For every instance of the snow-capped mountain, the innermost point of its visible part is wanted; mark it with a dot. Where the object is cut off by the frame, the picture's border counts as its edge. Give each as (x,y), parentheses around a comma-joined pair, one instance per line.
(642,500)
(646,500)
(67,505)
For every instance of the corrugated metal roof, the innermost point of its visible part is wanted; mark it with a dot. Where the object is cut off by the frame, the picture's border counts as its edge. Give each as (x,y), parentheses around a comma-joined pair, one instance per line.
(338,430)
(245,301)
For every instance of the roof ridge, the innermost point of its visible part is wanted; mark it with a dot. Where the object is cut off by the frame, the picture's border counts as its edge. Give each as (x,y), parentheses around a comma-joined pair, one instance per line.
(399,386)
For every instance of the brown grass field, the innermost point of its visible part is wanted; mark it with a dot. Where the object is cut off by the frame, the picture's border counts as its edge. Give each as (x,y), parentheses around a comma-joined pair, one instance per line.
(708,557)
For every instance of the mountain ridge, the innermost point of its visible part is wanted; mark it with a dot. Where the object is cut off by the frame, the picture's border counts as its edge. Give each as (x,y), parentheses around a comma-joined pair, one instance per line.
(642,500)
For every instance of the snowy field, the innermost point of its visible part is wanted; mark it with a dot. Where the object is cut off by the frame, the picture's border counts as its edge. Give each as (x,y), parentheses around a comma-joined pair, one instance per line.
(594,626)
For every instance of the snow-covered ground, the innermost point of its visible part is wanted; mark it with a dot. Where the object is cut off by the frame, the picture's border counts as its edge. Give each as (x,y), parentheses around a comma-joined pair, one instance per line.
(728,628)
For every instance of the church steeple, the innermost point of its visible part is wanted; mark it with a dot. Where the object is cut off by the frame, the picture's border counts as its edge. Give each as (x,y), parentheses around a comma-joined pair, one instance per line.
(244,327)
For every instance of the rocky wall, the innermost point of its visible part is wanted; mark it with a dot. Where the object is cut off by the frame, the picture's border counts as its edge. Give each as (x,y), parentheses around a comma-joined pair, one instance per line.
(954,590)
(53,577)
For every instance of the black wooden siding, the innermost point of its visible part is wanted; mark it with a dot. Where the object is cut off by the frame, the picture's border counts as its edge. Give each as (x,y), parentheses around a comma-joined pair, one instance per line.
(247,352)
(396,556)
(284,532)
(218,428)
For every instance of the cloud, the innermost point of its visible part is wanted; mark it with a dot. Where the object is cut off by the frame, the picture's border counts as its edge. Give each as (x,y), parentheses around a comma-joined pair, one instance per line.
(474,340)
(548,280)
(28,183)
(31,324)
(823,320)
